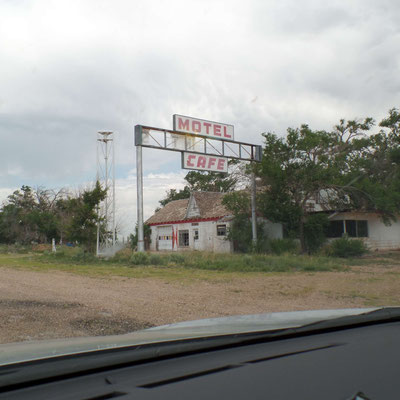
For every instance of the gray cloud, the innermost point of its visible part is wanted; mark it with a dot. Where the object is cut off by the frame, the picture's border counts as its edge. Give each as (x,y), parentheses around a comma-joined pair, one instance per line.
(71,68)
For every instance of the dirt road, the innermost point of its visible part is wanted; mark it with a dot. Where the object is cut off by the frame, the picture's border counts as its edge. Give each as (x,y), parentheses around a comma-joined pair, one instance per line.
(38,305)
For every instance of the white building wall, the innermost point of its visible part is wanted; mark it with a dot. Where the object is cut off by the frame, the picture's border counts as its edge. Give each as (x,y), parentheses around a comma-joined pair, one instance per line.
(207,237)
(380,236)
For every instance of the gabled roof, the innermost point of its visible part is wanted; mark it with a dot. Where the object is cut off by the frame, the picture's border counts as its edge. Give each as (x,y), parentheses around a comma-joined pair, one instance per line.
(200,206)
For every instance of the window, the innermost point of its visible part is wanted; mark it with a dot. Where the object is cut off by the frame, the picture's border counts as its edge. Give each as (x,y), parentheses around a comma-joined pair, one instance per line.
(335,229)
(196,234)
(184,238)
(353,227)
(195,224)
(221,230)
(362,228)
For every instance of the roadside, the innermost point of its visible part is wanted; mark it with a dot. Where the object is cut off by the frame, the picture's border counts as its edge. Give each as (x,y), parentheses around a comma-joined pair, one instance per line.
(49,303)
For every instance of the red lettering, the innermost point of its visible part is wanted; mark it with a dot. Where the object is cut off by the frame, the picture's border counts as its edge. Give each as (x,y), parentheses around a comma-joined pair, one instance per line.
(196,126)
(217,130)
(207,125)
(183,124)
(211,161)
(221,164)
(201,162)
(189,159)
(225,133)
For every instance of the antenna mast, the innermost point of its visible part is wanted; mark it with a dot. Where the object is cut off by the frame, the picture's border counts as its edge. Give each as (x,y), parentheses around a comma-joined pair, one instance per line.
(106,210)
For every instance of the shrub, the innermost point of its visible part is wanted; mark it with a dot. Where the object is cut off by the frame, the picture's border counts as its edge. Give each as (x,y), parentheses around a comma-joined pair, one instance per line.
(155,259)
(140,259)
(281,246)
(345,247)
(176,258)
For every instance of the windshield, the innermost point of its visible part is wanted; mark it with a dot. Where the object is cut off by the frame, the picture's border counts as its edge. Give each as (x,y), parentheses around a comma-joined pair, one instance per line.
(163,162)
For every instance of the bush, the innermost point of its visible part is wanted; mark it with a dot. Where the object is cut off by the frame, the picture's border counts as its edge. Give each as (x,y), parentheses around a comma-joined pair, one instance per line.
(281,246)
(156,259)
(345,247)
(176,258)
(140,259)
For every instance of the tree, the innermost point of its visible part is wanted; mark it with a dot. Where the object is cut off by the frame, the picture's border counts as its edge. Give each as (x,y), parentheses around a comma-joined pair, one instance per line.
(377,171)
(307,163)
(203,181)
(173,194)
(40,215)
(83,219)
(240,232)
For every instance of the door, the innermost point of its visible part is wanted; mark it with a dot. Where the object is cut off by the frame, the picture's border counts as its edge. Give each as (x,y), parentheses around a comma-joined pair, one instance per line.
(164,237)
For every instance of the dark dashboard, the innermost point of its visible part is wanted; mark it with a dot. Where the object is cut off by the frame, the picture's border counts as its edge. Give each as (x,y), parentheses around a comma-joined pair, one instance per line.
(338,364)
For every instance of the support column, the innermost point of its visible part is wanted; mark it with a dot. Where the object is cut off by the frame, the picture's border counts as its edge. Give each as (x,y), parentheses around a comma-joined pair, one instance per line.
(139,177)
(253,208)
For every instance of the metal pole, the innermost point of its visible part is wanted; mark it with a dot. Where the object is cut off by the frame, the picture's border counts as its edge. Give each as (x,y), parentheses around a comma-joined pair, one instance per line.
(113,189)
(253,208)
(139,177)
(106,178)
(98,206)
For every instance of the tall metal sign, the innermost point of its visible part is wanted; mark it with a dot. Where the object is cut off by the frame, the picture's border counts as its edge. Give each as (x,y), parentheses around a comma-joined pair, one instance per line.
(106,177)
(204,145)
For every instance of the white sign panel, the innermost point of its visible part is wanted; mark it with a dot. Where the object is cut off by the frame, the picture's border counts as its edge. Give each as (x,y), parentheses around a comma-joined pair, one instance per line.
(203,127)
(204,162)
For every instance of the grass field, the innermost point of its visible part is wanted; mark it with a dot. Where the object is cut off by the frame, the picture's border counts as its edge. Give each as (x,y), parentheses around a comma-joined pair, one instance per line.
(170,265)
(180,265)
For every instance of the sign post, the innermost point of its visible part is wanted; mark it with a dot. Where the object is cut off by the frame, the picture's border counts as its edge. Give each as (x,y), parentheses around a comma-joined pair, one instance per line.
(139,178)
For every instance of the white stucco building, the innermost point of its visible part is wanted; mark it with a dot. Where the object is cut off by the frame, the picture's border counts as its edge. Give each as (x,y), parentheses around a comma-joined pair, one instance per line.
(198,223)
(367,226)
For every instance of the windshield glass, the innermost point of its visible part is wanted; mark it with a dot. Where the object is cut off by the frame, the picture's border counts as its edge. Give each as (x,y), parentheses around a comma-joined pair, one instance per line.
(163,162)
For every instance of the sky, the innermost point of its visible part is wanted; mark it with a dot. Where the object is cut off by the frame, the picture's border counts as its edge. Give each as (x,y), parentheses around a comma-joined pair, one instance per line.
(69,69)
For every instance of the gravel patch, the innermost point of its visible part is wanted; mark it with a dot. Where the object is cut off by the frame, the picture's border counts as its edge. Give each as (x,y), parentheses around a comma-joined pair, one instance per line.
(43,305)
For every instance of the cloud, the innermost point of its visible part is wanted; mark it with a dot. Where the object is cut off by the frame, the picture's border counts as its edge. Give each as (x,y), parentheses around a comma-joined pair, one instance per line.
(70,68)
(155,187)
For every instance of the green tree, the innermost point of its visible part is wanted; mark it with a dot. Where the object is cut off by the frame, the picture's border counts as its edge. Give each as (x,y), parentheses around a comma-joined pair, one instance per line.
(306,164)
(203,181)
(82,210)
(240,232)
(173,194)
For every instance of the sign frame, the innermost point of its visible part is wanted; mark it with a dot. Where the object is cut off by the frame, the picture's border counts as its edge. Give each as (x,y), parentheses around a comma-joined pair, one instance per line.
(255,153)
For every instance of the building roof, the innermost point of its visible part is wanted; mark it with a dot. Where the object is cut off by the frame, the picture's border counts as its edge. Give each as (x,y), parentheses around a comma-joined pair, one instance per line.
(200,206)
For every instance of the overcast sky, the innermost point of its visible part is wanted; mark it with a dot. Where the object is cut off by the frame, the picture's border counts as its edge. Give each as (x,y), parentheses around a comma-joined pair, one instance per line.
(71,68)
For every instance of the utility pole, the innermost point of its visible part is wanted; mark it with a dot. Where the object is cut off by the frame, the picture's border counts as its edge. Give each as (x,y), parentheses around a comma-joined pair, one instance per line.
(106,177)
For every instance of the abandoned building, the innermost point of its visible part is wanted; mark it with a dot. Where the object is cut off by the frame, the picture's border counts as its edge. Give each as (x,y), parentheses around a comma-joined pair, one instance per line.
(199,223)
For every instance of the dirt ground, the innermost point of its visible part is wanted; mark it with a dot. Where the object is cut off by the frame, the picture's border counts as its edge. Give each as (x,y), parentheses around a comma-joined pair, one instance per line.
(39,305)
